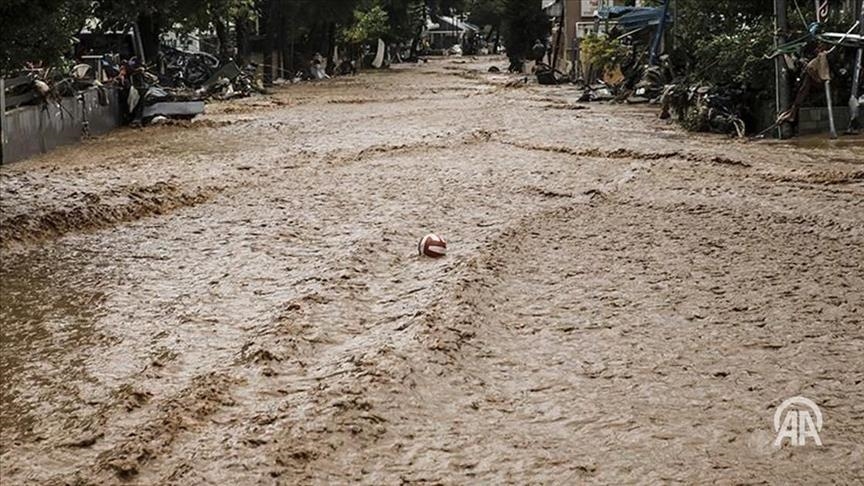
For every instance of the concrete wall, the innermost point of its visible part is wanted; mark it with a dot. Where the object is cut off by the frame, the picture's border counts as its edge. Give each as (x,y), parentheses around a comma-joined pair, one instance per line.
(815,120)
(30,130)
(578,16)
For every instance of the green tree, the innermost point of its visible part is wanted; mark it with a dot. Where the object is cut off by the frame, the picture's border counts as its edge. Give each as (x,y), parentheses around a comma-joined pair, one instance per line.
(723,41)
(154,17)
(368,25)
(523,23)
(299,28)
(38,30)
(487,13)
(405,18)
(216,16)
(449,7)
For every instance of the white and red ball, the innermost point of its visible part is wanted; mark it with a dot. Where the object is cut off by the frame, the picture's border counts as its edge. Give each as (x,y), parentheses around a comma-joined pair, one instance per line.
(432,246)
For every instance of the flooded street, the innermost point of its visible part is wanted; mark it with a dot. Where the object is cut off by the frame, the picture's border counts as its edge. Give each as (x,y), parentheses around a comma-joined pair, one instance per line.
(238,300)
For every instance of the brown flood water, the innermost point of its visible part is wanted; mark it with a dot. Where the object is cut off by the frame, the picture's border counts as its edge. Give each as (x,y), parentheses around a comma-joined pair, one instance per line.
(237,300)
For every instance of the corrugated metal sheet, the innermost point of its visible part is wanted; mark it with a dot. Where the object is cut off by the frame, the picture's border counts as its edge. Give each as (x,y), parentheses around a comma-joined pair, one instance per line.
(632,18)
(641,18)
(30,130)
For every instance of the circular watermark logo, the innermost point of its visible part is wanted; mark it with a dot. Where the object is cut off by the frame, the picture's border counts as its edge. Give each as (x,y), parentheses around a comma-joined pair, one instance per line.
(794,420)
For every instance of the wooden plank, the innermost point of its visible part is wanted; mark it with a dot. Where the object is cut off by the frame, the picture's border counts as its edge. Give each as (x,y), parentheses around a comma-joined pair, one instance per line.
(12,83)
(18,100)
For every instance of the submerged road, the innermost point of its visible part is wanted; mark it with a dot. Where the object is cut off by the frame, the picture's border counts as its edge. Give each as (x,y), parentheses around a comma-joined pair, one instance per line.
(238,300)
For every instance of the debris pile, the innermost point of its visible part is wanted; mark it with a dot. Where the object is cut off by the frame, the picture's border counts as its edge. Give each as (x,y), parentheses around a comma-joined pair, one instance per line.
(182,69)
(177,86)
(203,73)
(705,108)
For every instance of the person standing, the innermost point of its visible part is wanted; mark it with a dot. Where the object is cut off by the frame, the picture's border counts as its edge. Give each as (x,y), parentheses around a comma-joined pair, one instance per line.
(538,52)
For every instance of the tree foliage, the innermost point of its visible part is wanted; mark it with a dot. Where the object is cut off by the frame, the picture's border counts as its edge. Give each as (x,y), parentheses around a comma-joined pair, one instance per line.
(486,12)
(38,30)
(724,41)
(602,52)
(368,25)
(43,29)
(523,23)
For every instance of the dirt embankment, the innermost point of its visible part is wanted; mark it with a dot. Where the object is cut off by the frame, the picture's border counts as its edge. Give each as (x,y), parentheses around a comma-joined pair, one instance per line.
(97,210)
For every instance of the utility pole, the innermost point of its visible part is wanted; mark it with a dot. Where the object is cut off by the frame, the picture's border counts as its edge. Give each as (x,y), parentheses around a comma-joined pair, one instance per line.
(559,34)
(781,69)
(661,31)
(822,14)
(675,24)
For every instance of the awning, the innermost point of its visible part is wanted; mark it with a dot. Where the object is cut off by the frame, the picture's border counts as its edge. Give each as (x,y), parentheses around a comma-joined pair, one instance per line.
(634,18)
(451,23)
(614,12)
(643,17)
(553,8)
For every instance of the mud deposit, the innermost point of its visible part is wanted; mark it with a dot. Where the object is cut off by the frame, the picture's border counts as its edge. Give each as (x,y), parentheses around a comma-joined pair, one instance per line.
(237,300)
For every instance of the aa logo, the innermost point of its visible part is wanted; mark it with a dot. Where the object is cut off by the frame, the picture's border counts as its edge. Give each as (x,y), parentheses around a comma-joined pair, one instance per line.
(797,419)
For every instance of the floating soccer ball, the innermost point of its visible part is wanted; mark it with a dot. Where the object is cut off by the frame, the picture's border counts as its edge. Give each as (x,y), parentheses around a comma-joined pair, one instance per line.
(432,246)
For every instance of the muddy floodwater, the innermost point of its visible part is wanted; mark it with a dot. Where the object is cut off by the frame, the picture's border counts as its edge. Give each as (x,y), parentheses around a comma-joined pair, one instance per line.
(237,300)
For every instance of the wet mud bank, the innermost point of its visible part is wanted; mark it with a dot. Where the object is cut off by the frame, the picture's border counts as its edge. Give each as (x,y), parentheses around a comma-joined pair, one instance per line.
(97,210)
(241,303)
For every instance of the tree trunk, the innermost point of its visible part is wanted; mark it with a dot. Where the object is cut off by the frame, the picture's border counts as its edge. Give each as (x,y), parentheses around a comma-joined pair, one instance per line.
(497,40)
(331,47)
(149,29)
(783,95)
(415,43)
(241,33)
(286,48)
(268,24)
(224,43)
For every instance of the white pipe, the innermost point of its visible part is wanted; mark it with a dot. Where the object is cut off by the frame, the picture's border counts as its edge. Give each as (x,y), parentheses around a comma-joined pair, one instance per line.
(827,82)
(830,109)
(856,77)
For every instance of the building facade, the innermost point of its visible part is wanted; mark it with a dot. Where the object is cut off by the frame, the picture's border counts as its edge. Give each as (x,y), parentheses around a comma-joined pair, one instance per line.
(575,19)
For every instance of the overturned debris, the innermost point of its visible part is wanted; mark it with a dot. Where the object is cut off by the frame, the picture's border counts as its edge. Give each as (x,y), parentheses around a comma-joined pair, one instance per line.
(174,109)
(705,108)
